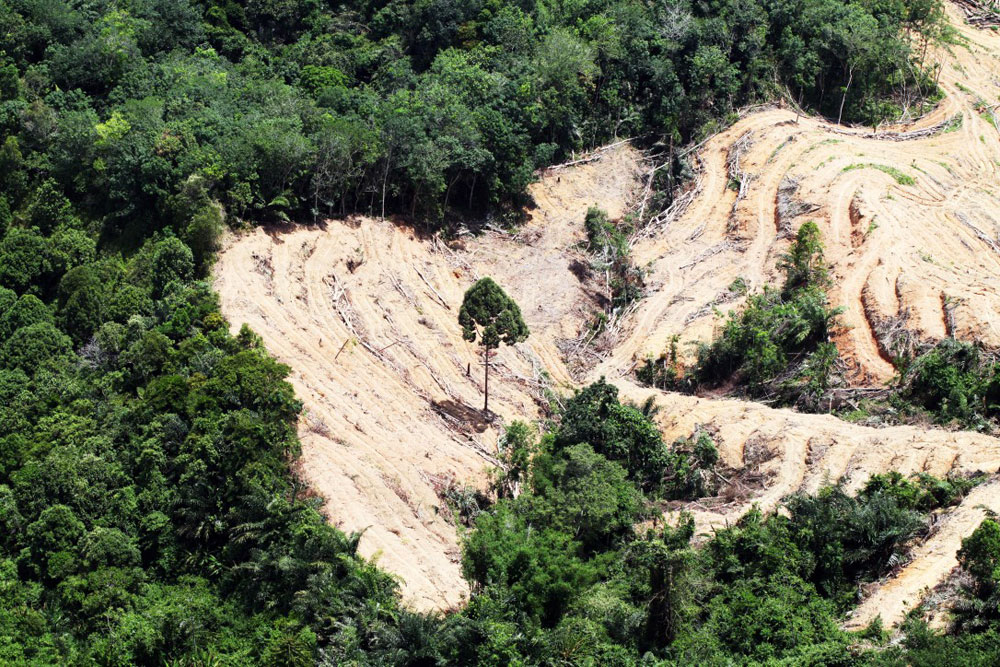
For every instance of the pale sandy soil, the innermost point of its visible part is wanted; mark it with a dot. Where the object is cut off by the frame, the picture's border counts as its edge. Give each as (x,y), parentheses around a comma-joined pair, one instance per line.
(917,251)
(375,445)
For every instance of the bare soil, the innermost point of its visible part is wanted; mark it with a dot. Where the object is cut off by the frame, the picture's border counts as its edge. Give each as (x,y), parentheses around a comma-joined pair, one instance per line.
(365,314)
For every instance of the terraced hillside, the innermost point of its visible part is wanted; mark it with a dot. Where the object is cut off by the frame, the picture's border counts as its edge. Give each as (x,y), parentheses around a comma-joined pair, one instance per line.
(365,313)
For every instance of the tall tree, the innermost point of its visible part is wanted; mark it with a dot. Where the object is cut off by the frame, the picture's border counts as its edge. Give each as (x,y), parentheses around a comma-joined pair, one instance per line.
(490,315)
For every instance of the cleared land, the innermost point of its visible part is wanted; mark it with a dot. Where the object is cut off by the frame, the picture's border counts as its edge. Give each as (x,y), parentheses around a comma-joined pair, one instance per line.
(391,390)
(365,313)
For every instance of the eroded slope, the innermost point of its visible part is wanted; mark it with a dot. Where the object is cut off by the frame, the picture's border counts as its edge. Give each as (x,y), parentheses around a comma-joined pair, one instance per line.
(365,314)
(923,254)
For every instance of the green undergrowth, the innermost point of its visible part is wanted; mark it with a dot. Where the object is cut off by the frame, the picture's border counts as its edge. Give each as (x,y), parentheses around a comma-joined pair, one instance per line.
(611,260)
(776,345)
(900,177)
(596,575)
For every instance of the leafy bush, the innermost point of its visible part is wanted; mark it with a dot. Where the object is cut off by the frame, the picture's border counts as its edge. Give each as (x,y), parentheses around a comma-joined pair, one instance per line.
(663,372)
(777,329)
(611,255)
(582,493)
(776,344)
(690,471)
(804,264)
(541,569)
(851,539)
(923,492)
(979,557)
(619,432)
(954,380)
(760,341)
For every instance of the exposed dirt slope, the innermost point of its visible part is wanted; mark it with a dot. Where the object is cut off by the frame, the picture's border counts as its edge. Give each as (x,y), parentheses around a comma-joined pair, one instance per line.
(392,416)
(921,255)
(932,561)
(926,252)
(791,452)
(801,452)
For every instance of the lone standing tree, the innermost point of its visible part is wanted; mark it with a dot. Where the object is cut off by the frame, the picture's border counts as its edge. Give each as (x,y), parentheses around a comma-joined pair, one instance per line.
(492,316)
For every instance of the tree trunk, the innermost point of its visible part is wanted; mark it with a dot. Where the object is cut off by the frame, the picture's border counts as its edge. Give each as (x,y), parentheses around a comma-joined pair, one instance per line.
(850,78)
(486,402)
(385,178)
(447,193)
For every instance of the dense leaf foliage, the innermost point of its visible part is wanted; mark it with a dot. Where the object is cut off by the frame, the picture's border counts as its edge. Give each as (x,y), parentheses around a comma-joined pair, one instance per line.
(148,509)
(563,571)
(290,108)
(954,381)
(145,494)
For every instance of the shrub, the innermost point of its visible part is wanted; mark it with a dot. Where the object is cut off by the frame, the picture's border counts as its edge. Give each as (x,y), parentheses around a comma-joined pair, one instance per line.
(980,556)
(778,341)
(619,432)
(923,492)
(690,469)
(608,245)
(954,380)
(771,332)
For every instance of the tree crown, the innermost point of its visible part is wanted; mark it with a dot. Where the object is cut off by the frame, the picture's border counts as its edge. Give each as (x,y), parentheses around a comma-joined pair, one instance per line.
(492,316)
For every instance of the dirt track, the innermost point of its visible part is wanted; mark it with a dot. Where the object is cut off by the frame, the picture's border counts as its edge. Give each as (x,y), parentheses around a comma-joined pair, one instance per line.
(391,414)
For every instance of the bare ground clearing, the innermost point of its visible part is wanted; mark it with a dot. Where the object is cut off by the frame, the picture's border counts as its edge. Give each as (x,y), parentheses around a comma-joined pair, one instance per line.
(365,314)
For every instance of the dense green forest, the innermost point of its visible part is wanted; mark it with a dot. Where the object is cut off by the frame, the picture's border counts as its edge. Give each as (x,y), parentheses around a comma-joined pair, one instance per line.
(148,512)
(140,111)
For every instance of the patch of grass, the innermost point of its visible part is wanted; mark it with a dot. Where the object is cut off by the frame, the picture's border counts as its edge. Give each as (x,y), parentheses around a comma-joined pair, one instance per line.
(949,35)
(954,124)
(855,416)
(777,149)
(825,142)
(901,177)
(865,412)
